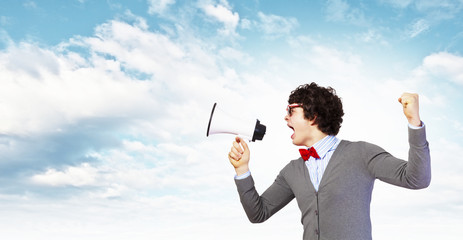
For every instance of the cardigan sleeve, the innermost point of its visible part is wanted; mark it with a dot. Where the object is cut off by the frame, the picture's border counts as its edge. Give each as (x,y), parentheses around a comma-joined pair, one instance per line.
(414,173)
(259,208)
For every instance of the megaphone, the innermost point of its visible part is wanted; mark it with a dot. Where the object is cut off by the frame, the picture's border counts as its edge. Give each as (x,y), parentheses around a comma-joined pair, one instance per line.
(222,122)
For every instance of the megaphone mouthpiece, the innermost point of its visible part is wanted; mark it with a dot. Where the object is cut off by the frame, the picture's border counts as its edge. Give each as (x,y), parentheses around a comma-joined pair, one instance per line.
(259,131)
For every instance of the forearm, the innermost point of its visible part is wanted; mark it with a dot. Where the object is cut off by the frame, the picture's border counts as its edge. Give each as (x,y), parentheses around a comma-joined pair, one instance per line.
(250,200)
(419,159)
(260,208)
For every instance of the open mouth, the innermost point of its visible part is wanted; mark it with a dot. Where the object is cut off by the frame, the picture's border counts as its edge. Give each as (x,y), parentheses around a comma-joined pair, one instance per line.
(292,136)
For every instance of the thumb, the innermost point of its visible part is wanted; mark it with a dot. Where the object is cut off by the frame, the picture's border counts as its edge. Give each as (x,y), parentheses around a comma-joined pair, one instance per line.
(403,101)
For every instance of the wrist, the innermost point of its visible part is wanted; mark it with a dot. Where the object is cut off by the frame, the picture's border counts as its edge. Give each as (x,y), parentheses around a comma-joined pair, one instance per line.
(415,122)
(241,170)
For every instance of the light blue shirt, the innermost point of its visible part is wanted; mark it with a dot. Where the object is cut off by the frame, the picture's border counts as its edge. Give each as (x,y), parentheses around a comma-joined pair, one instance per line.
(325,149)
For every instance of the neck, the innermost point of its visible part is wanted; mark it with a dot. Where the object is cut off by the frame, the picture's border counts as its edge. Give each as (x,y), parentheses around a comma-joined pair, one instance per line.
(316,136)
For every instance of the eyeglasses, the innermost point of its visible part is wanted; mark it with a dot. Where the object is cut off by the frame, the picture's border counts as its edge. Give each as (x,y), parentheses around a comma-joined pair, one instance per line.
(291,106)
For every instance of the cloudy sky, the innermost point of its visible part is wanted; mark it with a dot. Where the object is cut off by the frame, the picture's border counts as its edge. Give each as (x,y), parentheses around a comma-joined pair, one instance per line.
(104,108)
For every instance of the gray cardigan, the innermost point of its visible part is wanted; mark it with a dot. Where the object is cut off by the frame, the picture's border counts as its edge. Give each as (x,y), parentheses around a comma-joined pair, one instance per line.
(341,207)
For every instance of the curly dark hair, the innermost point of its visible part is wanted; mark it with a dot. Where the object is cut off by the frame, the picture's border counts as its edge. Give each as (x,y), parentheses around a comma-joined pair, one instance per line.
(321,104)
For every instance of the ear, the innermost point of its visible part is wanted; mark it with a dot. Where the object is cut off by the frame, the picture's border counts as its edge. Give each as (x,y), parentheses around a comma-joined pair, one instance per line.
(313,121)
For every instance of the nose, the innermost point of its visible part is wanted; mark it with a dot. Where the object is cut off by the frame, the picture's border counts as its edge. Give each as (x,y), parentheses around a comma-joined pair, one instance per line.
(287,117)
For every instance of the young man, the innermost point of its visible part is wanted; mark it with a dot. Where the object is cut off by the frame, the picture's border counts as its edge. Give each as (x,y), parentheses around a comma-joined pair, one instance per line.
(332,181)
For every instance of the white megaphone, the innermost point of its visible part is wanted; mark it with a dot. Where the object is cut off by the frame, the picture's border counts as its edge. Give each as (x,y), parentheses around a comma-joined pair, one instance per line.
(221,122)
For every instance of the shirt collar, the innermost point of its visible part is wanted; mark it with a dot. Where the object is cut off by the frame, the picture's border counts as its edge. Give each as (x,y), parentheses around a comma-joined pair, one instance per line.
(325,145)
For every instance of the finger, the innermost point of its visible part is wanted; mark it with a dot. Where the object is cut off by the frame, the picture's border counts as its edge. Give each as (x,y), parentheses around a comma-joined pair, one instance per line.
(245,145)
(404,99)
(408,96)
(233,157)
(236,152)
(405,102)
(236,144)
(403,96)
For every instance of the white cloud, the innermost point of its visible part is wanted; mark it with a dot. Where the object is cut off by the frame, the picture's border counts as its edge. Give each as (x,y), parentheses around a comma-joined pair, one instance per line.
(229,53)
(418,27)
(245,23)
(341,11)
(159,6)
(434,11)
(138,21)
(426,5)
(30,4)
(274,25)
(445,65)
(449,6)
(398,3)
(44,90)
(72,176)
(223,14)
(347,65)
(337,10)
(373,37)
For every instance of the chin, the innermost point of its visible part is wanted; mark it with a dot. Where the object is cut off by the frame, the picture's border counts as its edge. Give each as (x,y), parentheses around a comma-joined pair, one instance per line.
(297,143)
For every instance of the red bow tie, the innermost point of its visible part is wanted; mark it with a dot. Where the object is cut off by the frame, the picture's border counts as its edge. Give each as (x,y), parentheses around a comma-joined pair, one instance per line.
(306,154)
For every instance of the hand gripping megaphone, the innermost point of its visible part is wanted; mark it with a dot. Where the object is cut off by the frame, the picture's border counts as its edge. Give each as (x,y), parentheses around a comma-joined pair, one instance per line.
(222,122)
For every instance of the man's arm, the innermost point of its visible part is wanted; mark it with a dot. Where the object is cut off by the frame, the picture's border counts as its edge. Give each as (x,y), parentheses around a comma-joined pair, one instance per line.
(414,173)
(258,208)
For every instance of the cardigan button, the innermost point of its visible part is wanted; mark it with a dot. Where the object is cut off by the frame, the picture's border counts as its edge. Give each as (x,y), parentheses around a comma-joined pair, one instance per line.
(316,212)
(317,232)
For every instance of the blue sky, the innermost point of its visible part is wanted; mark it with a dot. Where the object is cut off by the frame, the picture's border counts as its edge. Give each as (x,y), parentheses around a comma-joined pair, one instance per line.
(104,107)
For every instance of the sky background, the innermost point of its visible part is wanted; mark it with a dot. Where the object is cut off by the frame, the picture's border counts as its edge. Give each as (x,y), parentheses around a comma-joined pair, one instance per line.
(104,108)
